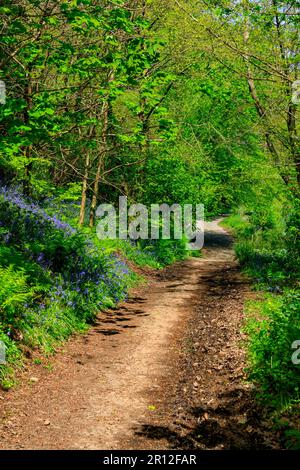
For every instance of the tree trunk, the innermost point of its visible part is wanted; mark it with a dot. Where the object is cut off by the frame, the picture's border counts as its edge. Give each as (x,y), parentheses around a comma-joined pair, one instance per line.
(261,111)
(28,165)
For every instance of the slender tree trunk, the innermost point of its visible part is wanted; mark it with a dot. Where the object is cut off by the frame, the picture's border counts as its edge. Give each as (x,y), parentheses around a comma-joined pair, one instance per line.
(85,179)
(261,111)
(84,189)
(293,137)
(102,155)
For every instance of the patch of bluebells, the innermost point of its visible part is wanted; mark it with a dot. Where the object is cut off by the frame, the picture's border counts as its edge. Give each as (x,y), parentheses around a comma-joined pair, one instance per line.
(30,228)
(84,278)
(30,208)
(100,278)
(83,293)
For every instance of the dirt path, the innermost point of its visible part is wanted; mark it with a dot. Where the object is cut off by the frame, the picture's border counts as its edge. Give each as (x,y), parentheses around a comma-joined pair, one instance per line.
(130,382)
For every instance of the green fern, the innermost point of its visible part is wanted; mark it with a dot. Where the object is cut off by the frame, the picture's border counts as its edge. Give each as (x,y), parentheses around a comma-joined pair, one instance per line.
(14,292)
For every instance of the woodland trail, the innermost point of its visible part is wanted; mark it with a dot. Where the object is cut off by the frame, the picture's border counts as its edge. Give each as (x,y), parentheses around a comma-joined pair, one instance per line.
(149,374)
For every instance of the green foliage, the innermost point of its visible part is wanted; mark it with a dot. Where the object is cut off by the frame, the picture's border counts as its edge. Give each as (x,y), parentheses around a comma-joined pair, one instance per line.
(273,329)
(13,360)
(267,246)
(131,251)
(14,292)
(262,246)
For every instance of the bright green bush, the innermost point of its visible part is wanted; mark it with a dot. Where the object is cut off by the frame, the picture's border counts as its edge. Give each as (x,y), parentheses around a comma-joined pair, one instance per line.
(272,331)
(14,292)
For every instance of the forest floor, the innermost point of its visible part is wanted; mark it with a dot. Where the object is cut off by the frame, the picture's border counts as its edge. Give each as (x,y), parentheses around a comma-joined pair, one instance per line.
(164,370)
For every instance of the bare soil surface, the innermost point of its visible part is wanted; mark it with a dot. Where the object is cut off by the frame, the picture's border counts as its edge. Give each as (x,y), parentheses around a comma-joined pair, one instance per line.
(164,370)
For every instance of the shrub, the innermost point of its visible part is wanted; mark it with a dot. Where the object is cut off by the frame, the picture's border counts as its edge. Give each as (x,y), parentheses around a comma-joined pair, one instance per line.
(166,251)
(270,349)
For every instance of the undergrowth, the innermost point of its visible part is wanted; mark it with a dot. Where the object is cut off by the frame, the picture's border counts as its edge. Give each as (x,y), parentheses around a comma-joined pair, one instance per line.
(268,248)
